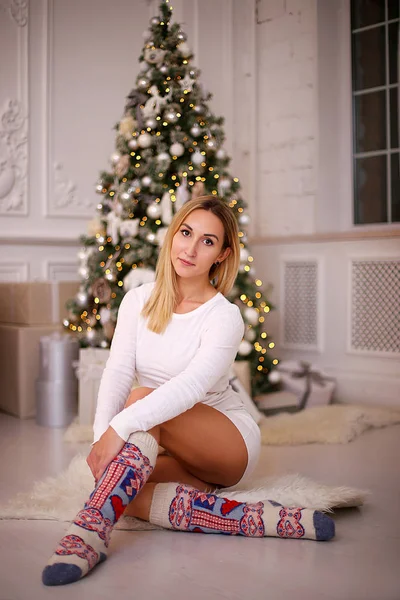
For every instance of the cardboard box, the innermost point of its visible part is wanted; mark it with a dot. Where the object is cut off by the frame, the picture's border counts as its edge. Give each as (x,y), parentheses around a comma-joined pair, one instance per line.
(35,302)
(19,367)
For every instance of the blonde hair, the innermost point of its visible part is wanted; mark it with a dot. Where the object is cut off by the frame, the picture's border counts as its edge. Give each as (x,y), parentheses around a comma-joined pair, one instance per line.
(164,297)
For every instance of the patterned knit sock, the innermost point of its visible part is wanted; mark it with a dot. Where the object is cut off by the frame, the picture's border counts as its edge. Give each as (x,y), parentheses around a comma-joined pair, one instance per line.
(182,507)
(86,541)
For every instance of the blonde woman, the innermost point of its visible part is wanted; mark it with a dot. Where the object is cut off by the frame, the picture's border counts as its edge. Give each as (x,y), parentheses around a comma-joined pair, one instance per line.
(179,336)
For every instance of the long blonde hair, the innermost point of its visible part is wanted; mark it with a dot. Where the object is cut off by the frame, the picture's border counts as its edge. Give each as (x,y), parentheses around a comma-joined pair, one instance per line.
(164,297)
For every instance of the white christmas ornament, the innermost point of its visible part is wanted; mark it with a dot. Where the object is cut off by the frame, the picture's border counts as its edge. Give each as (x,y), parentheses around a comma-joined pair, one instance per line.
(274,377)
(184,49)
(151,122)
(244,255)
(133,144)
(146,181)
(145,140)
(195,130)
(161,233)
(245,348)
(143,83)
(155,103)
(244,219)
(99,188)
(151,237)
(113,225)
(129,227)
(221,154)
(182,194)
(137,277)
(125,196)
(163,159)
(251,315)
(154,210)
(81,298)
(105,315)
(197,158)
(83,272)
(177,149)
(166,208)
(250,335)
(223,185)
(114,158)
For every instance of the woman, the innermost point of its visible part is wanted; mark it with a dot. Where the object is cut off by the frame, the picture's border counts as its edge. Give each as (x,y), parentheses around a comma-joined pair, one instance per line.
(180,336)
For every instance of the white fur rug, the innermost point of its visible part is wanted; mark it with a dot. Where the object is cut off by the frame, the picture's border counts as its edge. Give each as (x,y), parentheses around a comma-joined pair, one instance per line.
(333,424)
(60,498)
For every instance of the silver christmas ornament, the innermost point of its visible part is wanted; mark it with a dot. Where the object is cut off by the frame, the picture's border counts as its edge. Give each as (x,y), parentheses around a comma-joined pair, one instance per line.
(170,115)
(82,298)
(154,21)
(151,122)
(133,144)
(145,140)
(184,49)
(164,69)
(182,36)
(150,237)
(163,157)
(154,210)
(211,144)
(143,83)
(195,130)
(221,154)
(146,181)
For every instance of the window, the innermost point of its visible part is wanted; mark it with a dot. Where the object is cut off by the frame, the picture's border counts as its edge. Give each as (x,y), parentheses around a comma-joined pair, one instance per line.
(375,94)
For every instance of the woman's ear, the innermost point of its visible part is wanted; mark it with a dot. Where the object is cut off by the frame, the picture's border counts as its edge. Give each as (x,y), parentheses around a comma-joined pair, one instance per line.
(224,254)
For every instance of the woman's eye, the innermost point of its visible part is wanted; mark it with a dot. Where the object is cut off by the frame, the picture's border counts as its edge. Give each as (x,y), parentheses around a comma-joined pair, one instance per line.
(185,231)
(211,242)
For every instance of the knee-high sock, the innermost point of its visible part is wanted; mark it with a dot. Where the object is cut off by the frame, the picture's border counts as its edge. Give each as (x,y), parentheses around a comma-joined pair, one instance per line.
(182,507)
(86,541)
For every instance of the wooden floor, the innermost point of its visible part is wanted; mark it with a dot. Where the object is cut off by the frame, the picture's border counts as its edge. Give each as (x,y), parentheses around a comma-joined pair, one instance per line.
(361,563)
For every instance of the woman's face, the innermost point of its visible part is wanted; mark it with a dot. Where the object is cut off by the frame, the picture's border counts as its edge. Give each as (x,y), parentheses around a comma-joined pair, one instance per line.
(198,242)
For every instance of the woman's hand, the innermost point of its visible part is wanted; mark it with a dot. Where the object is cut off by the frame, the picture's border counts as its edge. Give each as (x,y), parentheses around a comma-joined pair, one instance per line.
(103,452)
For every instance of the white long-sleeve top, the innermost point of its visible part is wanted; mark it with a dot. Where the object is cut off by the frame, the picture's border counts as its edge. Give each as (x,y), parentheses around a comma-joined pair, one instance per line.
(188,363)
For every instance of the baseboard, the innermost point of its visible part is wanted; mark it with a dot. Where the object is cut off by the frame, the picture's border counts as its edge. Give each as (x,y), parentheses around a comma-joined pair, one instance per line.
(365,388)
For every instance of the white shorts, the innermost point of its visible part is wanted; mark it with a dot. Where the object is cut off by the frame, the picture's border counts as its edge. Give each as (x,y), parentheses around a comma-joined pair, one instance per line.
(250,432)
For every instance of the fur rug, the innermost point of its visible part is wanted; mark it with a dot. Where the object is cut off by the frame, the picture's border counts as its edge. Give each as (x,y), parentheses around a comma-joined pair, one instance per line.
(333,424)
(60,498)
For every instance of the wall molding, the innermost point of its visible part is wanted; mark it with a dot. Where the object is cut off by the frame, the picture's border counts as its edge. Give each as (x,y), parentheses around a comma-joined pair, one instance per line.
(18,270)
(392,231)
(39,241)
(14,123)
(61,270)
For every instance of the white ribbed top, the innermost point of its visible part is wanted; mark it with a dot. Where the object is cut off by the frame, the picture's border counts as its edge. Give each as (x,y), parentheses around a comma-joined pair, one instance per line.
(188,363)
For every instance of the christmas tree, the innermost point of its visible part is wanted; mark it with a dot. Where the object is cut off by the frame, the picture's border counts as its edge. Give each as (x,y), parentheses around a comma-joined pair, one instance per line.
(169,149)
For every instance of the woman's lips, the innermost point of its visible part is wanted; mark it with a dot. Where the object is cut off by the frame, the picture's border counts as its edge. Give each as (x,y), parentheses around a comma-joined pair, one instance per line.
(188,264)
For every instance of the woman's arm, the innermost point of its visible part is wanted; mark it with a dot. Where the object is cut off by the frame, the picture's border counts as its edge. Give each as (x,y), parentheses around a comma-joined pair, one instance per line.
(119,373)
(218,349)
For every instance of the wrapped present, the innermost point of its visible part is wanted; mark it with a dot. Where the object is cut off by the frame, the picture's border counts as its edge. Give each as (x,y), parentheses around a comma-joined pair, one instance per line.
(312,387)
(35,302)
(89,370)
(19,367)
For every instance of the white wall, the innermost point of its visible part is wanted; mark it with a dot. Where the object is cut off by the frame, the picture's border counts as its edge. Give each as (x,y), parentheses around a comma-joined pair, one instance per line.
(303,211)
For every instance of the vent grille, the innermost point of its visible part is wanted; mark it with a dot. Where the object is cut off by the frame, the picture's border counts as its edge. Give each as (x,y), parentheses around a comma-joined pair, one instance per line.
(301,304)
(375,306)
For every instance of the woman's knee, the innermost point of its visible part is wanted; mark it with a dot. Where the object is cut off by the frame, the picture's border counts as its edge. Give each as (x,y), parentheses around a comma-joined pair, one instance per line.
(137,394)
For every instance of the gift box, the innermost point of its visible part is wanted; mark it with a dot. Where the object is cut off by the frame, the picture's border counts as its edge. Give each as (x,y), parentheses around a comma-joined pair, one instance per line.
(19,367)
(89,370)
(277,402)
(35,302)
(312,387)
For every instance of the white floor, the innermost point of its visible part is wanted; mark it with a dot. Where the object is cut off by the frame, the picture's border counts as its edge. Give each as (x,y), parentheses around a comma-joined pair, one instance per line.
(361,563)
